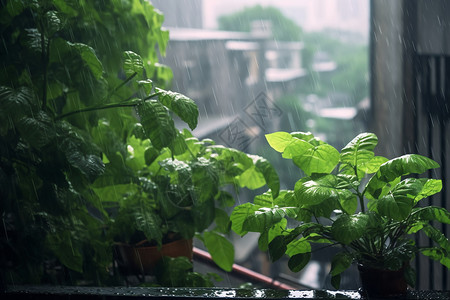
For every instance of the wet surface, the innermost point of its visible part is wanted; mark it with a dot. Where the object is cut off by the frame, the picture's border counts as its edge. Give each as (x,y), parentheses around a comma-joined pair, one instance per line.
(43,292)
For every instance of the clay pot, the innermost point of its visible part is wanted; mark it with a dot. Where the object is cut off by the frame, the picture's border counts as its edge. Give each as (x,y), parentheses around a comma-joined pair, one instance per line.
(382,283)
(133,259)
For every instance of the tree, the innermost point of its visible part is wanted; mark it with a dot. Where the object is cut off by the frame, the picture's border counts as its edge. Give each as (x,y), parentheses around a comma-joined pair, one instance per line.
(283,28)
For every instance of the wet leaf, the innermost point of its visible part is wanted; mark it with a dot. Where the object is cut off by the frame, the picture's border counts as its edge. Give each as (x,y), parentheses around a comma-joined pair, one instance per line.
(240,214)
(182,106)
(157,123)
(393,169)
(221,250)
(279,140)
(319,188)
(341,262)
(359,152)
(277,248)
(297,262)
(347,228)
(132,63)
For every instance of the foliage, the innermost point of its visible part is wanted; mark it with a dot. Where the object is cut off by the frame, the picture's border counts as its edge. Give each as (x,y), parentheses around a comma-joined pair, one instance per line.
(64,70)
(177,272)
(283,29)
(325,203)
(89,150)
(178,193)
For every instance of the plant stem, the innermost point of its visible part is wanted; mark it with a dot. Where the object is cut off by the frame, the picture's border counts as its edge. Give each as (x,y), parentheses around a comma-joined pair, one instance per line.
(108,106)
(123,83)
(361,202)
(88,109)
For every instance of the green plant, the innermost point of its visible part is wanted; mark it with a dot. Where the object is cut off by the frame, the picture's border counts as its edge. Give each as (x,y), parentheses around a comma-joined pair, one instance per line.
(167,194)
(366,204)
(64,73)
(79,118)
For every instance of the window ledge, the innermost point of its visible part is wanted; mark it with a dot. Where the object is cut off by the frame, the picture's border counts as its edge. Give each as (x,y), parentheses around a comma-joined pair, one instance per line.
(109,293)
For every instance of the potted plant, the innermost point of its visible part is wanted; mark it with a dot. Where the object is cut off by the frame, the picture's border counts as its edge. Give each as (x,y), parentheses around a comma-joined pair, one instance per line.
(60,84)
(163,198)
(368,206)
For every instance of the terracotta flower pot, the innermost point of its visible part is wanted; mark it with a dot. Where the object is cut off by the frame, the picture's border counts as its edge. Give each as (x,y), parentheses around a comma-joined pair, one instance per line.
(133,259)
(382,283)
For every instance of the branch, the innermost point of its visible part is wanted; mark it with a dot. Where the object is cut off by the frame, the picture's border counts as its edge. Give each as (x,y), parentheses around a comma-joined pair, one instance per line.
(108,106)
(88,109)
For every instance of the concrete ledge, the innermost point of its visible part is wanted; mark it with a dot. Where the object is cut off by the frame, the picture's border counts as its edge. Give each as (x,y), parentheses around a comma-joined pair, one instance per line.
(109,293)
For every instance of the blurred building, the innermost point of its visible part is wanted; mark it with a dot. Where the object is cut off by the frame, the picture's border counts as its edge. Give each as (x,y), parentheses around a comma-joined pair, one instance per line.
(225,72)
(181,12)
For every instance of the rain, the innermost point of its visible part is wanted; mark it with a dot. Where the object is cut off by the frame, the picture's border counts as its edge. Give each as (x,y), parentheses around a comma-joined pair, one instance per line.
(103,149)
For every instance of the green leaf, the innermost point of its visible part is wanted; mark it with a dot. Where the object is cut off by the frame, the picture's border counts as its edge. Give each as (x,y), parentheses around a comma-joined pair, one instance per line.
(277,229)
(115,193)
(150,155)
(52,23)
(222,220)
(203,214)
(279,140)
(66,7)
(307,137)
(359,151)
(32,40)
(341,262)
(132,63)
(240,214)
(136,153)
(319,188)
(251,178)
(431,213)
(398,203)
(61,244)
(89,57)
(264,199)
(157,123)
(349,202)
(438,237)
(298,246)
(173,271)
(205,178)
(182,106)
(277,248)
(270,175)
(318,159)
(146,85)
(221,250)
(410,276)
(393,169)
(285,199)
(263,241)
(296,147)
(429,188)
(75,150)
(336,281)
(225,199)
(16,102)
(347,228)
(437,254)
(37,130)
(373,165)
(264,218)
(150,224)
(297,262)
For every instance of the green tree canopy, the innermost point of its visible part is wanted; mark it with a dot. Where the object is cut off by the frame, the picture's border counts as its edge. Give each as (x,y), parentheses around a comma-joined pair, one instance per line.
(283,28)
